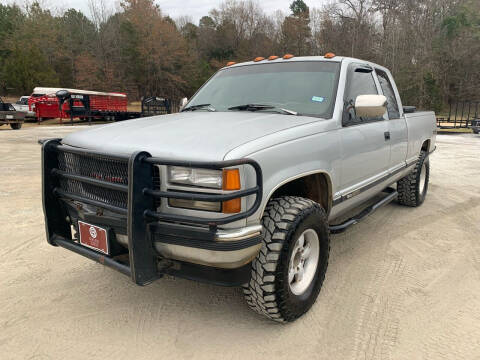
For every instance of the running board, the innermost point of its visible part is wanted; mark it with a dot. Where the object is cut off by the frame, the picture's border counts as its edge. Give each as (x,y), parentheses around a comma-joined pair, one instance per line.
(336,229)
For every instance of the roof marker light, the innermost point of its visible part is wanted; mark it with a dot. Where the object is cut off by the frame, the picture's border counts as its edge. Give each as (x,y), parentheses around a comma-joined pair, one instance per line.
(288,56)
(230,63)
(273,57)
(259,59)
(329,55)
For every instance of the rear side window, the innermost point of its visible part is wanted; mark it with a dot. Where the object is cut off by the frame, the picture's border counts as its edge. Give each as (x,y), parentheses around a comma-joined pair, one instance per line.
(360,82)
(387,88)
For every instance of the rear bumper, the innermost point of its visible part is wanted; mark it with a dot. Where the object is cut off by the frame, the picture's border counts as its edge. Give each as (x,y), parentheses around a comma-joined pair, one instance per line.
(147,244)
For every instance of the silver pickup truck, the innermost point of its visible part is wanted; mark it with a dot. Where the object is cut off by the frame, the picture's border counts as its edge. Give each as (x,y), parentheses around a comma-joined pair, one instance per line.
(244,186)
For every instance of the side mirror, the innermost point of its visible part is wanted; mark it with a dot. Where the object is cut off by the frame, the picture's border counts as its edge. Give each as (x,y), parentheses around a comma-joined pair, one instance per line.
(183,102)
(370,106)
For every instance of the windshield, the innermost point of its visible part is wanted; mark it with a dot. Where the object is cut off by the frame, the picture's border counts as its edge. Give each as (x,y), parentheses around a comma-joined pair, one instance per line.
(308,88)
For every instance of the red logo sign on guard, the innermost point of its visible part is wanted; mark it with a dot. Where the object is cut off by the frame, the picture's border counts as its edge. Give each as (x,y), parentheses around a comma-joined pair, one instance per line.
(93,236)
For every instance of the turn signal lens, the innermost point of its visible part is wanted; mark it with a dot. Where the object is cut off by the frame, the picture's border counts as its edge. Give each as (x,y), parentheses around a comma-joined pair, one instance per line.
(259,59)
(232,206)
(231,179)
(288,56)
(273,57)
(329,55)
(230,63)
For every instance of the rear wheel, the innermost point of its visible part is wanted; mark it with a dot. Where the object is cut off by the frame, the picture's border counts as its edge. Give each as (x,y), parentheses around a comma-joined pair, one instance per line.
(412,189)
(288,273)
(16,126)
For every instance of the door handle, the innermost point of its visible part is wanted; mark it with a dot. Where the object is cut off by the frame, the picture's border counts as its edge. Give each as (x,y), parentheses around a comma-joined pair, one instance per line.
(387,135)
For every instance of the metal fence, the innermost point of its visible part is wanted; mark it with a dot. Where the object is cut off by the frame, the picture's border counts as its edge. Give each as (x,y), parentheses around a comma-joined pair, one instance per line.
(460,115)
(154,105)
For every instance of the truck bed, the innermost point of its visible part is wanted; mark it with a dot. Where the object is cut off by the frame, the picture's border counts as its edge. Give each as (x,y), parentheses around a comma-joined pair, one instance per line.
(421,125)
(9,117)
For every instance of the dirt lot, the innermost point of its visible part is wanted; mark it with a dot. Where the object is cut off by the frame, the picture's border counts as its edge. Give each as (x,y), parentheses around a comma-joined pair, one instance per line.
(404,284)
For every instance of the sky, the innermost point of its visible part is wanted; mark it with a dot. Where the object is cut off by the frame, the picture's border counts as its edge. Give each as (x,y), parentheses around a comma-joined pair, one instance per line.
(175,8)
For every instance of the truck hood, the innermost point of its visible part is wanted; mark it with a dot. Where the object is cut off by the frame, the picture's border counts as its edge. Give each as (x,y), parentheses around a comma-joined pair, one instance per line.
(189,136)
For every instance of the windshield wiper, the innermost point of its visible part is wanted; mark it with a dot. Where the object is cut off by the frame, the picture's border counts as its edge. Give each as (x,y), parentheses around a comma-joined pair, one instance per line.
(257,107)
(208,107)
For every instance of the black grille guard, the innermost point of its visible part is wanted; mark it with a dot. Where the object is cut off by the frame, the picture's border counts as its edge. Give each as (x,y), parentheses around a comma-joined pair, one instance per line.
(140,209)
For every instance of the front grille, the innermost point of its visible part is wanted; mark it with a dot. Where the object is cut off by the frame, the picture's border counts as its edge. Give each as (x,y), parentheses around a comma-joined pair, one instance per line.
(101,168)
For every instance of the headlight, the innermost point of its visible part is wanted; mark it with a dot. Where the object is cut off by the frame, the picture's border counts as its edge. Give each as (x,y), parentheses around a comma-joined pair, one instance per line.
(227,179)
(196,177)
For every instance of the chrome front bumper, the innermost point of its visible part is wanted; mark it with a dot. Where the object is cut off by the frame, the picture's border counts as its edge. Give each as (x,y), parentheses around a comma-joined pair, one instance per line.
(230,249)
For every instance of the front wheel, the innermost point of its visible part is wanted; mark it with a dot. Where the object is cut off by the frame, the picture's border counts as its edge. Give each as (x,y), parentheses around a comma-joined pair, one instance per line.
(16,126)
(288,273)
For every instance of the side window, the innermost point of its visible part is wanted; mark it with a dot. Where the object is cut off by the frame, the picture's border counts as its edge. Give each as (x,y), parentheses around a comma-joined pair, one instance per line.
(392,105)
(360,82)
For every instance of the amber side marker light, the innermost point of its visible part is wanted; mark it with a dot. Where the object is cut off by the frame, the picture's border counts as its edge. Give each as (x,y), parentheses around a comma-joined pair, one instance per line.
(232,206)
(329,55)
(273,57)
(230,63)
(288,56)
(231,181)
(257,59)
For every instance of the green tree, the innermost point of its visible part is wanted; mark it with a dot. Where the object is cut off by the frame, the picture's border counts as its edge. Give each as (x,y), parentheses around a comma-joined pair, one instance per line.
(26,68)
(75,35)
(296,32)
(11,18)
(207,22)
(299,8)
(31,51)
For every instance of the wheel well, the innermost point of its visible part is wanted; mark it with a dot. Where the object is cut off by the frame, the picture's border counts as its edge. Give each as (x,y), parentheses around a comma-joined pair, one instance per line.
(426,145)
(316,187)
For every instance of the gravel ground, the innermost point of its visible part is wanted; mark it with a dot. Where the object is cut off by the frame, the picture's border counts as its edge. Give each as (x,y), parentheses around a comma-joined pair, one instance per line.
(403,284)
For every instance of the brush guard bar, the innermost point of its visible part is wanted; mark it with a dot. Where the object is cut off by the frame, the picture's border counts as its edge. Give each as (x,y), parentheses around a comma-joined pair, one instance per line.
(140,212)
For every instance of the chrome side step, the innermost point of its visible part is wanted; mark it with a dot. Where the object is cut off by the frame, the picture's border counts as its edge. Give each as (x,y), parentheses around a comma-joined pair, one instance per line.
(336,229)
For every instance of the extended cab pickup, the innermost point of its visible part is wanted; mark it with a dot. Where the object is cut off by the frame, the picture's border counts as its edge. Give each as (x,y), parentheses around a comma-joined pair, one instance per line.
(244,186)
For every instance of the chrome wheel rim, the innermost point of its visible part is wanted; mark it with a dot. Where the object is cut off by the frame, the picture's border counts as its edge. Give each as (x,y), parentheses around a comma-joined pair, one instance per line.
(423,178)
(303,261)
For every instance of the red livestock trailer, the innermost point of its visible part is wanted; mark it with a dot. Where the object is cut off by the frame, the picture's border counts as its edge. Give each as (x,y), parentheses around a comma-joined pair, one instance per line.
(86,104)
